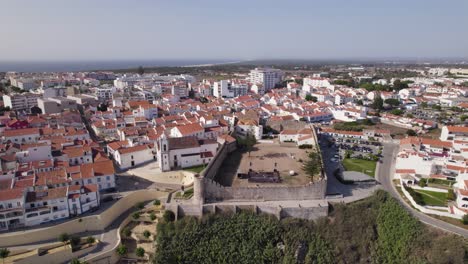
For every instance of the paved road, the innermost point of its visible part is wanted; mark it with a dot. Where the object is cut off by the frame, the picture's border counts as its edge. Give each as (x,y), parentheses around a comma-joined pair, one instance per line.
(350,193)
(384,176)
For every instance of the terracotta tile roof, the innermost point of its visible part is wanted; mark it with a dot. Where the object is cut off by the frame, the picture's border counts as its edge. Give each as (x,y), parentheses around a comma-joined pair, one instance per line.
(20,132)
(190,129)
(11,194)
(132,149)
(457,129)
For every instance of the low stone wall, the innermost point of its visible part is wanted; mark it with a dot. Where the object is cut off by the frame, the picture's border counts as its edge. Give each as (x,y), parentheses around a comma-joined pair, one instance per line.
(310,213)
(213,191)
(80,225)
(63,254)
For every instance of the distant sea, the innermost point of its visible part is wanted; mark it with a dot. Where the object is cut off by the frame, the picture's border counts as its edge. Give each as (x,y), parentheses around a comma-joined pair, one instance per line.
(67,66)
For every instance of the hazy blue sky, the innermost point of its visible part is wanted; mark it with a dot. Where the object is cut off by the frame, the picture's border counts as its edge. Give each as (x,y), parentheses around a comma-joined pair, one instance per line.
(237,29)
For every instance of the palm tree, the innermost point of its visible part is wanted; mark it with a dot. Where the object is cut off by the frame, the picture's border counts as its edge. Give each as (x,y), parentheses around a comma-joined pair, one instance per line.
(4,252)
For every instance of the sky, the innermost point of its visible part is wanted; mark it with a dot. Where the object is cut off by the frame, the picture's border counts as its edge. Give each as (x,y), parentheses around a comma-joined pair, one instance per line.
(64,30)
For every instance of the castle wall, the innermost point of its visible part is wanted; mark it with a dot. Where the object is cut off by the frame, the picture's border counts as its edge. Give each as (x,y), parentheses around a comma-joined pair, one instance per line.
(216,192)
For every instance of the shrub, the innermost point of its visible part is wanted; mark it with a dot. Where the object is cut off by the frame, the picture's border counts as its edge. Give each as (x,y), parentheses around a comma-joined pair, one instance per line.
(136,215)
(168,216)
(422,183)
(305,146)
(126,232)
(152,216)
(140,252)
(416,196)
(122,250)
(140,205)
(465,219)
(90,240)
(146,234)
(64,237)
(157,202)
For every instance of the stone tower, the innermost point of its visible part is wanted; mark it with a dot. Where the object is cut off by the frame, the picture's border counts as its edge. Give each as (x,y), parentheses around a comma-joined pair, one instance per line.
(198,189)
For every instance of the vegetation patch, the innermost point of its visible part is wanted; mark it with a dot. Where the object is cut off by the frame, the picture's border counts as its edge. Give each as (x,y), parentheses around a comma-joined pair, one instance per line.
(374,230)
(433,198)
(196,169)
(360,165)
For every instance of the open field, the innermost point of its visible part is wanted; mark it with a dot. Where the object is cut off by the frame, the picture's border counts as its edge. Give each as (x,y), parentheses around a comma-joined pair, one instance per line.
(359,165)
(433,198)
(265,157)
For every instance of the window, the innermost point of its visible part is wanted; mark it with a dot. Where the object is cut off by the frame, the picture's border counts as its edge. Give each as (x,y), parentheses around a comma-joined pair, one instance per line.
(99,179)
(18,204)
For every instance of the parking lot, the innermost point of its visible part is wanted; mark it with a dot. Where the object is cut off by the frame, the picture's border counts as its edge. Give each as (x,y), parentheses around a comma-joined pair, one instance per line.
(359,148)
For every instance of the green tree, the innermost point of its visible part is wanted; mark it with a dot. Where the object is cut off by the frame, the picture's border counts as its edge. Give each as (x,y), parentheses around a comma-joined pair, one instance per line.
(398,85)
(140,252)
(422,183)
(463,117)
(157,202)
(247,142)
(437,107)
(359,102)
(311,98)
(397,112)
(378,103)
(424,105)
(411,133)
(4,252)
(140,70)
(313,165)
(465,219)
(122,250)
(392,102)
(64,238)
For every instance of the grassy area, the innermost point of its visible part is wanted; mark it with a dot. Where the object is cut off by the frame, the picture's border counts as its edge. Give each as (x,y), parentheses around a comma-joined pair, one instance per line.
(360,165)
(196,169)
(433,198)
(187,194)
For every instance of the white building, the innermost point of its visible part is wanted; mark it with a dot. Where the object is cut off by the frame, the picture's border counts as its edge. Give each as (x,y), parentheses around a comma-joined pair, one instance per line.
(21,102)
(454,132)
(185,152)
(266,76)
(229,89)
(133,156)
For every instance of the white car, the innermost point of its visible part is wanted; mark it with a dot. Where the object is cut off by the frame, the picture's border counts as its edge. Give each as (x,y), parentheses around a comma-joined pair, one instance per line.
(333,160)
